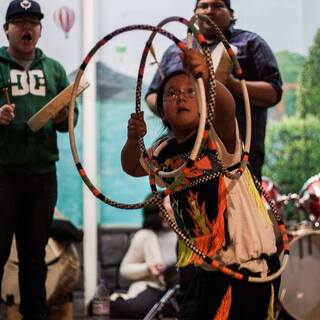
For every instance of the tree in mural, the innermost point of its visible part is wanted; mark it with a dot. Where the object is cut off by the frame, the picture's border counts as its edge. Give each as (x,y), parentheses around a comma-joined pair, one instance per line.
(292,151)
(308,92)
(290,65)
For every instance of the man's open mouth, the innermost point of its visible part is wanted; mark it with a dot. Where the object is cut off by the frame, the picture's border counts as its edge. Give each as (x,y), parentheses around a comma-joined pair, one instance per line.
(26,37)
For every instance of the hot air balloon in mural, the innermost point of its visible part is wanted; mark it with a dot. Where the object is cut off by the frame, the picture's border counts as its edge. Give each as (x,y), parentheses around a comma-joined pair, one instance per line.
(64,18)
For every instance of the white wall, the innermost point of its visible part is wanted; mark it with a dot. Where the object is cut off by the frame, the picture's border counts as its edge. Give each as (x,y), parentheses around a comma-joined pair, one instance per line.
(285,25)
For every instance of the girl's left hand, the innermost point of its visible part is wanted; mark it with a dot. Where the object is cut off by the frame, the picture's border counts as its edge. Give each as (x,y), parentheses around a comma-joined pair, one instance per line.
(136,126)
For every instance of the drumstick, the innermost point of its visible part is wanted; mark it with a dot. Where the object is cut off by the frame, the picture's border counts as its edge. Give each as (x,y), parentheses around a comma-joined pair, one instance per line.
(6,95)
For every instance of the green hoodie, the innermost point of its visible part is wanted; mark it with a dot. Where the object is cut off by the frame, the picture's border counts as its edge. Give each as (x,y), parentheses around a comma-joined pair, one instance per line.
(21,150)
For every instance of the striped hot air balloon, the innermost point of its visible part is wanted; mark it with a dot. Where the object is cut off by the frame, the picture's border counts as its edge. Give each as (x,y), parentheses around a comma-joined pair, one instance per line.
(64,18)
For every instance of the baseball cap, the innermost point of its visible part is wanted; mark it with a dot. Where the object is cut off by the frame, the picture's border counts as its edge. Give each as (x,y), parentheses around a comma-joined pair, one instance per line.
(228,4)
(25,7)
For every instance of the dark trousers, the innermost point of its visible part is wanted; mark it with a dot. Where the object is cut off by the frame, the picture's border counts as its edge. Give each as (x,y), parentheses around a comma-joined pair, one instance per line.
(27,204)
(136,308)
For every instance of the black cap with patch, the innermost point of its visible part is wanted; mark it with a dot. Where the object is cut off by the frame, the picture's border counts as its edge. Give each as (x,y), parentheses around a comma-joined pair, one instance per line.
(25,7)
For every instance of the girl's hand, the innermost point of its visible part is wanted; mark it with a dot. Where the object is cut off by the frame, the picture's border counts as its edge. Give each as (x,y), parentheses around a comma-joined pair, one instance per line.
(136,126)
(195,62)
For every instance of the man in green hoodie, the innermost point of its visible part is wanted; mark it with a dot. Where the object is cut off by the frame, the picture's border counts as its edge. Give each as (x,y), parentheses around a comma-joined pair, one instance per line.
(28,184)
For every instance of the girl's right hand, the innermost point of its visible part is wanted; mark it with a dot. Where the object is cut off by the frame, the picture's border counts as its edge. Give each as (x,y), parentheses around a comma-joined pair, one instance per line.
(136,126)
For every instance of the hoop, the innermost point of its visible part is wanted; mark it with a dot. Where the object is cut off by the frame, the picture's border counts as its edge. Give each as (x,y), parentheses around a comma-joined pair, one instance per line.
(196,148)
(240,75)
(211,103)
(201,101)
(214,263)
(95,191)
(244,161)
(157,199)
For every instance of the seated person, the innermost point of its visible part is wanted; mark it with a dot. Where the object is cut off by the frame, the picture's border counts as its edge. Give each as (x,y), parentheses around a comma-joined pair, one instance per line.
(151,255)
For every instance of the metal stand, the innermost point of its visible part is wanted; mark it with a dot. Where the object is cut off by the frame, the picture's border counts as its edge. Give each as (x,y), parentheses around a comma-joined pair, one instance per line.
(157,308)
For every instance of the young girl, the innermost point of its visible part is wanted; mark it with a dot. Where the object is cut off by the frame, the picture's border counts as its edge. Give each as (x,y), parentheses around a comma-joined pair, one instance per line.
(225,218)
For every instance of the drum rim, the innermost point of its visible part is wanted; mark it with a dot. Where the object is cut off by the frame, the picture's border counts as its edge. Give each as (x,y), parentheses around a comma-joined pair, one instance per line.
(71,252)
(307,232)
(302,229)
(309,182)
(302,233)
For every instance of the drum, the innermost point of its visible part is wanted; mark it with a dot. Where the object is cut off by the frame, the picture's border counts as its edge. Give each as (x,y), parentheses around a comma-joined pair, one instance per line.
(63,272)
(273,192)
(310,196)
(300,281)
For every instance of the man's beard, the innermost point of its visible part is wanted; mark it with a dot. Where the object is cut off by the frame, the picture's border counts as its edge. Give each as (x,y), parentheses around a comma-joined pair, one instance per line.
(208,32)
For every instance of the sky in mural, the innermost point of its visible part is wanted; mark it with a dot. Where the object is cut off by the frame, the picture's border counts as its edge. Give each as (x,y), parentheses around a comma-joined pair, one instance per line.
(285,24)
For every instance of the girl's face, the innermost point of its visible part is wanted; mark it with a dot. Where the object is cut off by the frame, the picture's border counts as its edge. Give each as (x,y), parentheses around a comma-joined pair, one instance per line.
(180,108)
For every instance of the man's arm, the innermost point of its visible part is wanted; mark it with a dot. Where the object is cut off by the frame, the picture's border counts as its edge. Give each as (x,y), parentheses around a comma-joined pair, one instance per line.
(151,95)
(265,89)
(261,93)
(151,100)
(171,61)
(60,120)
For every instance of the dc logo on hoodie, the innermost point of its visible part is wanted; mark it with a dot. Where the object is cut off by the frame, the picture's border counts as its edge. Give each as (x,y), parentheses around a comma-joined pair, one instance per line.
(24,82)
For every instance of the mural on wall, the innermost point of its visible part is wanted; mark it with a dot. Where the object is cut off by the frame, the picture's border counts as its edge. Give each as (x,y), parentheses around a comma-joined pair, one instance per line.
(117,66)
(64,18)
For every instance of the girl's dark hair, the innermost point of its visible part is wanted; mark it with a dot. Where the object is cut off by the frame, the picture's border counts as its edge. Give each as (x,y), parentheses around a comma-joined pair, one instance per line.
(152,217)
(159,102)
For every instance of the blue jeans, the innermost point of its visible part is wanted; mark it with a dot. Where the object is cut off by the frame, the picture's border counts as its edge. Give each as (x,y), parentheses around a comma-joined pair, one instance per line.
(27,204)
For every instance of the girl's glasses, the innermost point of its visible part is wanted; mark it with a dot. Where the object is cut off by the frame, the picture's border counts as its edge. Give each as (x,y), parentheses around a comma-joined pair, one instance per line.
(188,93)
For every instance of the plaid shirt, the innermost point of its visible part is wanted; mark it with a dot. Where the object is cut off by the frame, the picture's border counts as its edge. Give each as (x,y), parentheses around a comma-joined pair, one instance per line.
(258,64)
